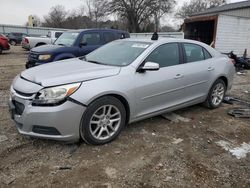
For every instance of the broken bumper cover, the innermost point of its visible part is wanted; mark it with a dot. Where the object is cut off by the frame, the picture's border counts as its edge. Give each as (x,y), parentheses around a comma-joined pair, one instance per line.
(49,122)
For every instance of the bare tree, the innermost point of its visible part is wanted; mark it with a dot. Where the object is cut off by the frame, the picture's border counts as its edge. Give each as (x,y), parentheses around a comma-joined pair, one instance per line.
(167,28)
(97,10)
(138,11)
(195,6)
(56,17)
(77,19)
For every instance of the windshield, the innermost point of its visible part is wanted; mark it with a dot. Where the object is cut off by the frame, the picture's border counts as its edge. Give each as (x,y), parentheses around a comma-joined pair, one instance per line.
(117,53)
(67,39)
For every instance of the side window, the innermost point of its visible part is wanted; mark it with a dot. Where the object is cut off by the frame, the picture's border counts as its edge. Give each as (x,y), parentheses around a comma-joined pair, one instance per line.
(108,37)
(206,54)
(91,38)
(165,55)
(58,34)
(49,34)
(193,52)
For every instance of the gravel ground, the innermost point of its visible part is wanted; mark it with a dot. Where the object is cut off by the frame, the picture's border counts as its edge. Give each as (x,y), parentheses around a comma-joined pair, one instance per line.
(151,153)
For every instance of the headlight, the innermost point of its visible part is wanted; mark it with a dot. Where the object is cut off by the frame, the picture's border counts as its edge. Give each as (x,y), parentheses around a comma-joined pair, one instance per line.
(55,95)
(44,57)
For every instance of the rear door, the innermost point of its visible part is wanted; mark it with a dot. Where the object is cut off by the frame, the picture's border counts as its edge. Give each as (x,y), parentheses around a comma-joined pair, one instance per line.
(198,68)
(108,37)
(89,41)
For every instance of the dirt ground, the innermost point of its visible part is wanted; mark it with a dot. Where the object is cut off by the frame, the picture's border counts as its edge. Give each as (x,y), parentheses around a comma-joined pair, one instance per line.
(151,153)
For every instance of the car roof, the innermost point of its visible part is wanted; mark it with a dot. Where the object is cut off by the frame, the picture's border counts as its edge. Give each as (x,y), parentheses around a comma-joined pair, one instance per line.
(96,29)
(162,40)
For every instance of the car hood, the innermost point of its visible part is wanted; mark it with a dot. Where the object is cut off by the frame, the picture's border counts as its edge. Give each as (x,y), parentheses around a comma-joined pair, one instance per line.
(68,71)
(50,48)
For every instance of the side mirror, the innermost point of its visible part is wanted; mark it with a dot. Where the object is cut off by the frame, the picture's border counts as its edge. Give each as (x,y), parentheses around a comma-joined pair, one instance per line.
(83,44)
(149,66)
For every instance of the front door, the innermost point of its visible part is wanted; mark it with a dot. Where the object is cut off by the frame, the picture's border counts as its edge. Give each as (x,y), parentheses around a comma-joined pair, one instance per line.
(89,42)
(158,90)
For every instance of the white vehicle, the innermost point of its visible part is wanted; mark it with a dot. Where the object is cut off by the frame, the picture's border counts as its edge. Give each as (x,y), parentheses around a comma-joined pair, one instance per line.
(31,42)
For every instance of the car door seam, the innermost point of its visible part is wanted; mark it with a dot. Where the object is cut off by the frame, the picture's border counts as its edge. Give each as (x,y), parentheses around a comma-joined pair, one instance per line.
(172,90)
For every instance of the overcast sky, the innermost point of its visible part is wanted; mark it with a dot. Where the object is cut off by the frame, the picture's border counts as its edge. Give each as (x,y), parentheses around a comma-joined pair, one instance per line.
(17,11)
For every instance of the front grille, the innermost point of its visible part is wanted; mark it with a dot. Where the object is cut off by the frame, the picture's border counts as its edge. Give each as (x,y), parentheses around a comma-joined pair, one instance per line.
(45,130)
(33,56)
(19,107)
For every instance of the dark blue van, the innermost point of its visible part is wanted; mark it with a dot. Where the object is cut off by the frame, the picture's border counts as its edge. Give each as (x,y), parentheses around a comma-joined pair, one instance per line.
(74,43)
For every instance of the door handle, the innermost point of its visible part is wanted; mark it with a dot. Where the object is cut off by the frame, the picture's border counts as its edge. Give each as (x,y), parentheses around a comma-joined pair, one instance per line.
(177,76)
(210,68)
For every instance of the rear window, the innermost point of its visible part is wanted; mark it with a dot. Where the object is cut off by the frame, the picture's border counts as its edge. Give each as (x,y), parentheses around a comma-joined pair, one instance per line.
(108,37)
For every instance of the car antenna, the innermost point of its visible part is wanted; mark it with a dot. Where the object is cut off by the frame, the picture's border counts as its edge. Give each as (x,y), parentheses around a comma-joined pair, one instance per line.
(155,36)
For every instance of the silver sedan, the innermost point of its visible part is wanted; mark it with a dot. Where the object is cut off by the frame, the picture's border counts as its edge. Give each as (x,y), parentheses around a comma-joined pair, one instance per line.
(95,96)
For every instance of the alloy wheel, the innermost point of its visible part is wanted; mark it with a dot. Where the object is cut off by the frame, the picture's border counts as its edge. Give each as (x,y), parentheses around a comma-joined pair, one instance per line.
(218,94)
(105,122)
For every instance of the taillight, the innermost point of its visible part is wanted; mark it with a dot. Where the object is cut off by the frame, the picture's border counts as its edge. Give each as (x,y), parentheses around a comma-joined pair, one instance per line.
(3,38)
(26,40)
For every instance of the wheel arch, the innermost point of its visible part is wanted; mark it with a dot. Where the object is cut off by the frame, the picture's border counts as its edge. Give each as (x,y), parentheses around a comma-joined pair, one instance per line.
(121,98)
(40,44)
(224,78)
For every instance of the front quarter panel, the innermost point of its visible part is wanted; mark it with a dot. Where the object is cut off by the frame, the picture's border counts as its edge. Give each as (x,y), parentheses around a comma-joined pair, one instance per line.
(63,56)
(122,84)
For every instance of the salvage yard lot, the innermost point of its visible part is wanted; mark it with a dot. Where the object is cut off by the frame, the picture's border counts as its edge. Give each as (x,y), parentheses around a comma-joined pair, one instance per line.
(150,153)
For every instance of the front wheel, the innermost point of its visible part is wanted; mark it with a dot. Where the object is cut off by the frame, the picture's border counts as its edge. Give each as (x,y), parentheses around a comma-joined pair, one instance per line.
(103,121)
(216,94)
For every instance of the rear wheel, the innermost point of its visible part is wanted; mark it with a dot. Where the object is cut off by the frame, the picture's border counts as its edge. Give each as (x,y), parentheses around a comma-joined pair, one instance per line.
(103,121)
(216,94)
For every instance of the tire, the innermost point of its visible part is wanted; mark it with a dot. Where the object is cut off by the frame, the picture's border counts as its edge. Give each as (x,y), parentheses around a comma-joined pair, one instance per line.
(217,90)
(102,121)
(13,42)
(1,50)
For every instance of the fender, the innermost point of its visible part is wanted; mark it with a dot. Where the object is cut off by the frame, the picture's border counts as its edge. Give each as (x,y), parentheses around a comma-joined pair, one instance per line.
(63,56)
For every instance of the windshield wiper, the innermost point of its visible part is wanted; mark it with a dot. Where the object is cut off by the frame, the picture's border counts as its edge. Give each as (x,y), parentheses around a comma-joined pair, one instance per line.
(82,58)
(96,62)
